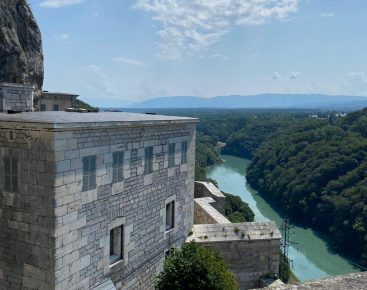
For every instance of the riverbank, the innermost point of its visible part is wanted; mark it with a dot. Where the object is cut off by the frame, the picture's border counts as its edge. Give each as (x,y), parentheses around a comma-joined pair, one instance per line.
(312,258)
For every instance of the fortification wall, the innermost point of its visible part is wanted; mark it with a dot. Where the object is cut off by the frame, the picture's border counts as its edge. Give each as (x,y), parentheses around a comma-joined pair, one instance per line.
(251,250)
(205,213)
(84,218)
(16,97)
(26,208)
(207,189)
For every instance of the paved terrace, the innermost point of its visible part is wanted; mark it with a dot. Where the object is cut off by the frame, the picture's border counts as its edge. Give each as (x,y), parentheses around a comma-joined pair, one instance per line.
(235,232)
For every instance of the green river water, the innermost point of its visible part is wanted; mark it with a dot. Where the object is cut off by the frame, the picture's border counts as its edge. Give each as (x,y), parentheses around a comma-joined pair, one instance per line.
(312,259)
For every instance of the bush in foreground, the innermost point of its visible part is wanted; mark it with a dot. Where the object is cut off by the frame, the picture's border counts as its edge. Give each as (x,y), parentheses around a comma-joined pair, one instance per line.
(195,267)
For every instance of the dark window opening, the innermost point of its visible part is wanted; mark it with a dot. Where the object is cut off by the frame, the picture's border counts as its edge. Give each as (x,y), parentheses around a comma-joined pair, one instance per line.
(116,244)
(118,166)
(148,163)
(89,172)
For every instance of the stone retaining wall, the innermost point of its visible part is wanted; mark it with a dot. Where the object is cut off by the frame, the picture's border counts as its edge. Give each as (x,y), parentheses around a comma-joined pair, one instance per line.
(205,213)
(207,189)
(16,97)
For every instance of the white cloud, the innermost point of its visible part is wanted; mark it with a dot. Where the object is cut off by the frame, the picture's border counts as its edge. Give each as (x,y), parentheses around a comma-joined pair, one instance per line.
(357,76)
(294,75)
(62,36)
(126,60)
(276,76)
(330,14)
(59,3)
(220,56)
(189,26)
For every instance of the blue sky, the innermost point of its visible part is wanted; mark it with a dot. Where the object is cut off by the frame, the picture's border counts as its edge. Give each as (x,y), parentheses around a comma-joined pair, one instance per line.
(116,52)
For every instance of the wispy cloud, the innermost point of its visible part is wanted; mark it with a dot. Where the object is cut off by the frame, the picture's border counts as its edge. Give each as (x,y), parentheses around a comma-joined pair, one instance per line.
(189,26)
(330,14)
(294,75)
(126,60)
(276,76)
(220,56)
(357,76)
(59,3)
(62,36)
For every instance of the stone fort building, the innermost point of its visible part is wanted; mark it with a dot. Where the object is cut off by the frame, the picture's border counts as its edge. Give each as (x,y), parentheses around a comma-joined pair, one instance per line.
(92,199)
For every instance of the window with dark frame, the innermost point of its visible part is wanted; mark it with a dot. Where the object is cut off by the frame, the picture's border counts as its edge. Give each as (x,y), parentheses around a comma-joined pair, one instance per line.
(56,107)
(170,215)
(148,160)
(116,244)
(184,152)
(89,172)
(10,174)
(171,154)
(117,166)
(43,107)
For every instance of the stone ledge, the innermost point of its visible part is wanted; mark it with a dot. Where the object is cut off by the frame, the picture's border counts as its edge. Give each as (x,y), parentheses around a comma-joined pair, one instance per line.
(235,232)
(355,281)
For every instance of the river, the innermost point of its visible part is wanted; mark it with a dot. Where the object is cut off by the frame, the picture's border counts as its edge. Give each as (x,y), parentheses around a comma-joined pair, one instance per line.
(312,259)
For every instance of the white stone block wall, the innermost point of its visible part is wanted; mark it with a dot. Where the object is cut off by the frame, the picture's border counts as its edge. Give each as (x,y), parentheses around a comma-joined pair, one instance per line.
(17,97)
(27,215)
(83,219)
(55,236)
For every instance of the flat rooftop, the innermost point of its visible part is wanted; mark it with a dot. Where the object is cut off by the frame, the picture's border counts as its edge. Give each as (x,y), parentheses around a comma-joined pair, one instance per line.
(235,232)
(100,119)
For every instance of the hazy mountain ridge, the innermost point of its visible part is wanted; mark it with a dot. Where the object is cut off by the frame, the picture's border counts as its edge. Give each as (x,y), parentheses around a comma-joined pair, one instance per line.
(257,101)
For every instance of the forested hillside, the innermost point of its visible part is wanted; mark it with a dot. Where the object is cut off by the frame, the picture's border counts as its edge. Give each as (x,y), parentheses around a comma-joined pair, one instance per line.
(317,172)
(314,168)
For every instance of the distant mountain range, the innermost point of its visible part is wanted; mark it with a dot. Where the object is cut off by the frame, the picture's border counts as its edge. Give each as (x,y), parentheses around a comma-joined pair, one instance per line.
(258,101)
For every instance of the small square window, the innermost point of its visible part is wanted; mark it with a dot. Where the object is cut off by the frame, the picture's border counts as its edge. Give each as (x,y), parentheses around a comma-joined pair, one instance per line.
(184,152)
(43,107)
(89,172)
(171,154)
(118,166)
(56,107)
(170,215)
(116,244)
(10,174)
(148,162)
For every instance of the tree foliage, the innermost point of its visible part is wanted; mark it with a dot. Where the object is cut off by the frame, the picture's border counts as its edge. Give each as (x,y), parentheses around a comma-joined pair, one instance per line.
(236,210)
(318,173)
(195,267)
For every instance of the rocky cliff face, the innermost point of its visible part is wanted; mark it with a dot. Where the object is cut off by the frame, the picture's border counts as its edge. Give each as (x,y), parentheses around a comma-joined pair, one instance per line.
(21,58)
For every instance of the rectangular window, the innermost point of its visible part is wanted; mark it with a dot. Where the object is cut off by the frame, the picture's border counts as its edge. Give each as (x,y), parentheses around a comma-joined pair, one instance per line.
(148,164)
(184,152)
(170,215)
(43,107)
(171,154)
(118,166)
(116,244)
(56,107)
(10,175)
(89,172)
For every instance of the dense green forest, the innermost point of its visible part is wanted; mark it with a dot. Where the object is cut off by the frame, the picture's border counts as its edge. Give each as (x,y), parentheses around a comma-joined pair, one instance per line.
(314,168)
(318,173)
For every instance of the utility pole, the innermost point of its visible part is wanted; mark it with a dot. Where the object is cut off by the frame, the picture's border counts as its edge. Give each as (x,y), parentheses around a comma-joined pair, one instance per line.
(285,242)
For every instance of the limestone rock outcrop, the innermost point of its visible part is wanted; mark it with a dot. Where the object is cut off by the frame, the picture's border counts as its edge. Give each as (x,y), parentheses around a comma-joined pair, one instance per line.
(21,57)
